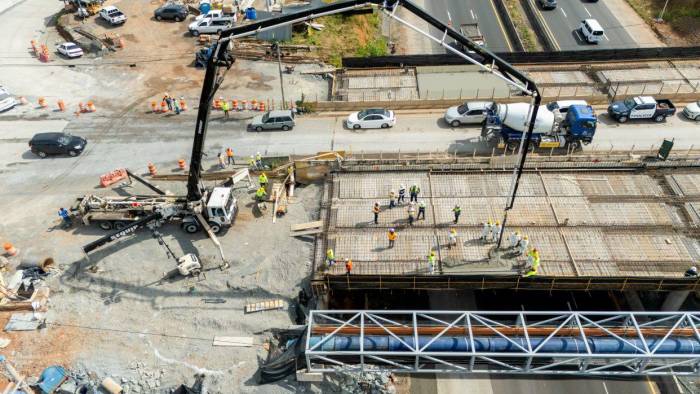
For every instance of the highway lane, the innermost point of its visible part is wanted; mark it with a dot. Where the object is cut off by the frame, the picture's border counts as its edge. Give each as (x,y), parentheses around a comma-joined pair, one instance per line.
(562,25)
(482,12)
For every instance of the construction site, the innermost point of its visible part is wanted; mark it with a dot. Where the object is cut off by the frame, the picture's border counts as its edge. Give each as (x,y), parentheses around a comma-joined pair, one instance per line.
(175,248)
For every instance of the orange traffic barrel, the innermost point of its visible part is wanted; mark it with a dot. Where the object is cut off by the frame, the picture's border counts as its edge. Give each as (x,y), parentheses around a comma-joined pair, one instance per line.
(152,169)
(91,106)
(183,104)
(61,105)
(181,164)
(42,102)
(10,249)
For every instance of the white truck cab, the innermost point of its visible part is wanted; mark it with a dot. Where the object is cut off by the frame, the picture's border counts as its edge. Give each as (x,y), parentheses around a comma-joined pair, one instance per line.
(221,207)
(591,31)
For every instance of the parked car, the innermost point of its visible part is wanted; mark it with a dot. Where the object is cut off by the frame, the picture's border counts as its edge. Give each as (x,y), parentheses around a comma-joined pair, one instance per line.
(112,15)
(469,112)
(591,31)
(692,111)
(548,4)
(281,119)
(641,107)
(70,49)
(44,144)
(7,102)
(210,26)
(214,14)
(563,105)
(373,118)
(171,11)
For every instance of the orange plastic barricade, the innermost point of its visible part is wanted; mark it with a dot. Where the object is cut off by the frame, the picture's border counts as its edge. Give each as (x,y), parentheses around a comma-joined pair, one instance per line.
(10,249)
(112,177)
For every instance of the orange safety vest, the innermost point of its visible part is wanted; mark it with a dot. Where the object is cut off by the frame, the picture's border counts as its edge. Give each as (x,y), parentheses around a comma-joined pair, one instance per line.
(348,265)
(392,236)
(375,209)
(229,152)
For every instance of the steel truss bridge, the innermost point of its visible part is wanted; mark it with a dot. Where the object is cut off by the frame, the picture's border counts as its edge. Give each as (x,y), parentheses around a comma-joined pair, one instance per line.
(544,343)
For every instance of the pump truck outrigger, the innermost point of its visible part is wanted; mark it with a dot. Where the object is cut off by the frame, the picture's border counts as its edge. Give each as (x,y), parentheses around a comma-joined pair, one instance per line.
(193,210)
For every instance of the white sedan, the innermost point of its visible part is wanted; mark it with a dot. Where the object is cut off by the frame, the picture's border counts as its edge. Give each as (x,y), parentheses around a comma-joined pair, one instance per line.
(371,119)
(70,49)
(7,102)
(469,112)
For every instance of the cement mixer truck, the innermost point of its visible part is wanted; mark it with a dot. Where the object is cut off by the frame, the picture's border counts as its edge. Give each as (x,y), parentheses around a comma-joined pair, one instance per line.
(553,129)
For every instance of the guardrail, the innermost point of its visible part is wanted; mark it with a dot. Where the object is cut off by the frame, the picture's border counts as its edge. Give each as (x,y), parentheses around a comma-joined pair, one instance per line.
(538,25)
(582,56)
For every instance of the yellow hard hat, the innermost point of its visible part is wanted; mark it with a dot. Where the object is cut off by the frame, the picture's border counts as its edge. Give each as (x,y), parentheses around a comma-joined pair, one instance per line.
(498,222)
(524,236)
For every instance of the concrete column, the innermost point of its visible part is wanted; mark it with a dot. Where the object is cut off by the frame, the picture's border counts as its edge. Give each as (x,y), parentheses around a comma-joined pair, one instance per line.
(674,300)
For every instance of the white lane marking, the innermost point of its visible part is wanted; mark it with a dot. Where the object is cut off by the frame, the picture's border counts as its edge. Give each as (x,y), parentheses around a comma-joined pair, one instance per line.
(472,12)
(606,36)
(587,12)
(578,35)
(562,11)
(605,388)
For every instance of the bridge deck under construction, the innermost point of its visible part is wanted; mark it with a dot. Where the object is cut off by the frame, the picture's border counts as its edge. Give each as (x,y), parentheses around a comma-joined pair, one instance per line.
(586,224)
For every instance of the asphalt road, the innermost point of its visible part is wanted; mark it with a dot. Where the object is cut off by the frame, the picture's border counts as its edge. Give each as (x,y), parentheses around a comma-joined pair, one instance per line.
(562,24)
(473,11)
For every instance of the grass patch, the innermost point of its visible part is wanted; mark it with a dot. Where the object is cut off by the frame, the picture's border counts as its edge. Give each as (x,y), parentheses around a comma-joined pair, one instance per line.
(355,35)
(527,36)
(682,15)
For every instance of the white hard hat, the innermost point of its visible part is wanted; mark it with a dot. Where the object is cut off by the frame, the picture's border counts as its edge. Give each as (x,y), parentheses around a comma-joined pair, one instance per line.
(694,269)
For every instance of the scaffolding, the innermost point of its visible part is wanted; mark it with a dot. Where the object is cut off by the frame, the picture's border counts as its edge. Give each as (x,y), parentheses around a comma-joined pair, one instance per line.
(543,343)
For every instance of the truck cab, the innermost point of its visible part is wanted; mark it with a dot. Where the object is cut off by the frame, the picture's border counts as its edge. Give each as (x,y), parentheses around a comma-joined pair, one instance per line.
(221,208)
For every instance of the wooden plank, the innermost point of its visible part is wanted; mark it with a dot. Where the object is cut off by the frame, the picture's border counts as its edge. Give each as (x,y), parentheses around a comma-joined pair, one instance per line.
(233,341)
(264,306)
(307,232)
(308,225)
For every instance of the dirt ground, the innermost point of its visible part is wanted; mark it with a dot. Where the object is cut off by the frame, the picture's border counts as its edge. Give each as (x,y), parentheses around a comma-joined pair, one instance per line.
(681,26)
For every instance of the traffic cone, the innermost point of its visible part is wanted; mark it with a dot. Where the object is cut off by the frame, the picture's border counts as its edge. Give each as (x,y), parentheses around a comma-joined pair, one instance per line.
(36,51)
(262,106)
(91,107)
(152,169)
(183,104)
(82,108)
(217,104)
(61,105)
(254,104)
(163,107)
(181,164)
(154,106)
(10,250)
(234,105)
(244,105)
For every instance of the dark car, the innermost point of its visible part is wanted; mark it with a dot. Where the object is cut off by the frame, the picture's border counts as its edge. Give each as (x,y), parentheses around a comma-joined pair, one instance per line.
(548,4)
(171,11)
(44,144)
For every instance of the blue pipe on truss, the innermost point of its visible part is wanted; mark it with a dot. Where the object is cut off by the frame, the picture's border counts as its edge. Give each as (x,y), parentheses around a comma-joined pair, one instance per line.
(501,345)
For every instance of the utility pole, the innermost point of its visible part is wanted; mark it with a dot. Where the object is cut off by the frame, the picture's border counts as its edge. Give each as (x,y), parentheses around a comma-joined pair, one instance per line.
(276,46)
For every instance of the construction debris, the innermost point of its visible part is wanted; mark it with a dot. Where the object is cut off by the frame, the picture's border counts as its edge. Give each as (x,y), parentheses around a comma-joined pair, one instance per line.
(310,228)
(25,322)
(233,341)
(265,306)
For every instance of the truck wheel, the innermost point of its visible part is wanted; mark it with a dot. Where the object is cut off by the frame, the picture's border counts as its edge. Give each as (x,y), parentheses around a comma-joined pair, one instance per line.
(575,145)
(105,225)
(190,227)
(118,225)
(215,227)
(622,119)
(659,118)
(456,123)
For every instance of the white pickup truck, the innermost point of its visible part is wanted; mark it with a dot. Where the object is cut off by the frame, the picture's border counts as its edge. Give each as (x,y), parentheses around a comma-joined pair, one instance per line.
(216,14)
(210,26)
(112,15)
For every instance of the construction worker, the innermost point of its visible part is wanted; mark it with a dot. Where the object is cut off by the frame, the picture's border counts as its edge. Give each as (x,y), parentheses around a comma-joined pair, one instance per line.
(457,211)
(225,108)
(432,259)
(258,161)
(452,238)
(168,101)
(411,213)
(514,239)
(414,190)
(533,260)
(421,209)
(375,210)
(392,237)
(229,156)
(523,244)
(262,179)
(692,272)
(402,194)
(496,231)
(392,199)
(348,266)
(486,231)
(260,194)
(330,257)
(222,161)
(65,217)
(177,107)
(251,163)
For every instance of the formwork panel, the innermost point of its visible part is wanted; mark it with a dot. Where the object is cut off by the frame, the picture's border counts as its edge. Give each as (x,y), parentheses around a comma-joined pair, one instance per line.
(688,184)
(618,185)
(631,214)
(376,186)
(573,211)
(654,269)
(549,243)
(556,268)
(381,268)
(527,211)
(469,249)
(373,245)
(484,185)
(586,244)
(597,268)
(358,213)
(561,185)
(636,246)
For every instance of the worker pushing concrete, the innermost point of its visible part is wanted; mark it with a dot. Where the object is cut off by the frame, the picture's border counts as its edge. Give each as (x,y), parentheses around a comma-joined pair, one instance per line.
(457,210)
(330,257)
(262,179)
(411,213)
(414,190)
(452,238)
(392,199)
(432,259)
(533,262)
(258,161)
(421,210)
(375,210)
(523,245)
(229,157)
(514,239)
(222,161)
(252,164)
(486,231)
(260,194)
(348,266)
(402,194)
(495,231)
(392,237)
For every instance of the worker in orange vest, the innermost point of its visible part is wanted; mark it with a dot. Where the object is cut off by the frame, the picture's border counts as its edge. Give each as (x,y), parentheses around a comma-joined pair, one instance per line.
(348,266)
(229,155)
(392,237)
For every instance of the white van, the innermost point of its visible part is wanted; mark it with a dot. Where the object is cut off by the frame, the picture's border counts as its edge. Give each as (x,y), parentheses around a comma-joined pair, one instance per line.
(591,31)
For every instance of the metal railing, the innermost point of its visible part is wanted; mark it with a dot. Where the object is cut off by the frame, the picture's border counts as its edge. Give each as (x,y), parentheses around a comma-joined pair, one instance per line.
(542,343)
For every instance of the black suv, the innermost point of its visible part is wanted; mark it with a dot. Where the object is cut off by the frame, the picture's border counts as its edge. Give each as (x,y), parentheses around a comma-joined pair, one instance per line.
(171,11)
(44,144)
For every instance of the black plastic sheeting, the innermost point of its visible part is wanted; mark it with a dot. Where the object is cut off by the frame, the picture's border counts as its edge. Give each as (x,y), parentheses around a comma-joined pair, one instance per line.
(283,360)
